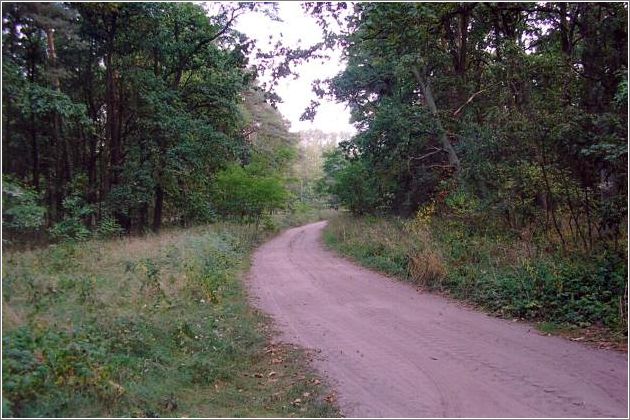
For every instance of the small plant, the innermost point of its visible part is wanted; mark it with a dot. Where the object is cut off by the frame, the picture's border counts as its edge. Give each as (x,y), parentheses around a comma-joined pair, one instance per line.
(85,290)
(461,203)
(20,209)
(52,367)
(150,280)
(61,257)
(427,268)
(109,228)
(73,228)
(268,224)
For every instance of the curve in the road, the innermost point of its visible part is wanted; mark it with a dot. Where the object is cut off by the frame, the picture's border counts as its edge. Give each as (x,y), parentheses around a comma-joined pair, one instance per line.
(390,351)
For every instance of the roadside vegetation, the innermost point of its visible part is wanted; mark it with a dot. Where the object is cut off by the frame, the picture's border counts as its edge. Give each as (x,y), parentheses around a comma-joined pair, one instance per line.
(506,275)
(147,326)
(491,157)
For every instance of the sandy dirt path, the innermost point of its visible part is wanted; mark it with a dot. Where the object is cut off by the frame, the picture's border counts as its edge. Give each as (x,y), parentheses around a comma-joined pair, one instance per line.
(390,351)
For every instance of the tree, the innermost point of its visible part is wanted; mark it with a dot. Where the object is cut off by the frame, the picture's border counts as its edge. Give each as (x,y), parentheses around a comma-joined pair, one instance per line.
(136,103)
(512,104)
(244,193)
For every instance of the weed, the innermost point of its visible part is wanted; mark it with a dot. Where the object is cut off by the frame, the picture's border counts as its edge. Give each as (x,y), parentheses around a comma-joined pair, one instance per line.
(495,270)
(548,327)
(92,337)
(85,290)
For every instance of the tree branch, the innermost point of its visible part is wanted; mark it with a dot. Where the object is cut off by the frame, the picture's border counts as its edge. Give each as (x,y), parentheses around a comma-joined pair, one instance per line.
(437,150)
(469,101)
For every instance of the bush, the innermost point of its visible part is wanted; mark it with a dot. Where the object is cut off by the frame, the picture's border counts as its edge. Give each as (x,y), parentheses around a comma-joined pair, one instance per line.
(70,230)
(52,367)
(109,228)
(495,271)
(354,188)
(20,208)
(244,193)
(426,269)
(72,227)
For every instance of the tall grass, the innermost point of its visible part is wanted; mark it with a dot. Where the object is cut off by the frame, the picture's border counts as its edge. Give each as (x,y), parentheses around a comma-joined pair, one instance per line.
(153,326)
(505,274)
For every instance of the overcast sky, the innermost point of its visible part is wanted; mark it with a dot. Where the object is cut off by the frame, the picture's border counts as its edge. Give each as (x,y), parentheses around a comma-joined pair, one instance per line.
(298,27)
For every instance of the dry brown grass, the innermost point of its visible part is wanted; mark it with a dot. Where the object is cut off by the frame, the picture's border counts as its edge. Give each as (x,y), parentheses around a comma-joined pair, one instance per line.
(427,268)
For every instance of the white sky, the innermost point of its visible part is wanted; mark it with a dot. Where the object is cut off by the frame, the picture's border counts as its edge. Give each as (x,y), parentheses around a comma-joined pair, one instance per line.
(299,29)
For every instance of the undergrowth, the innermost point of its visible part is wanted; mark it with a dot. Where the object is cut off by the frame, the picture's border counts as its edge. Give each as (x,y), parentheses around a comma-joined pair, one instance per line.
(146,327)
(501,273)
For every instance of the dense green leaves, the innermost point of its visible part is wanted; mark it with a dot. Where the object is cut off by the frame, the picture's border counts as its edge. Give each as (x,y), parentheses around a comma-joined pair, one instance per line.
(144,102)
(503,127)
(515,106)
(20,208)
(245,193)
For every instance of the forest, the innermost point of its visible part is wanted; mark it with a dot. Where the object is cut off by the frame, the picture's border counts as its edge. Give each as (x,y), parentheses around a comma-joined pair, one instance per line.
(492,144)
(144,160)
(120,117)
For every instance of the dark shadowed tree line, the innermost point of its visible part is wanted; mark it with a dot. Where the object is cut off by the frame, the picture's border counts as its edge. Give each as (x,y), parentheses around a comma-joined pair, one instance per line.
(119,116)
(513,112)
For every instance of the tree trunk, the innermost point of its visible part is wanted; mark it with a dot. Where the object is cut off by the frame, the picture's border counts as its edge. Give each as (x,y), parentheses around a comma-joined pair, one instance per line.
(34,152)
(143,217)
(62,170)
(112,122)
(91,169)
(453,160)
(52,56)
(157,212)
(462,41)
(112,109)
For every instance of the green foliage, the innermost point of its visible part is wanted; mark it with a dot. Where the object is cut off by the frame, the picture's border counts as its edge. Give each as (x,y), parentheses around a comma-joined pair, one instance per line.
(333,163)
(461,203)
(6,408)
(571,290)
(73,228)
(20,208)
(245,193)
(507,276)
(154,326)
(379,243)
(41,102)
(533,142)
(144,102)
(349,183)
(46,365)
(355,188)
(622,91)
(108,227)
(309,186)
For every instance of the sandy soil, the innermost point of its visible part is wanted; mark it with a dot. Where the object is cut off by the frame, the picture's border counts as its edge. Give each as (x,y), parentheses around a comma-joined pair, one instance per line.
(390,351)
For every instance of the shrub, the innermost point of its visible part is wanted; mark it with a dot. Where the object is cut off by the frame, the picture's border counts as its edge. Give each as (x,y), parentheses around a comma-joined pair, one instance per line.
(51,367)
(72,227)
(244,193)
(489,270)
(20,208)
(355,188)
(109,228)
(426,268)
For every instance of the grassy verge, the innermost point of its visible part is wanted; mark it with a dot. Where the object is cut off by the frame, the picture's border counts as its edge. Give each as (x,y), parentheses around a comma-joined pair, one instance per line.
(581,296)
(154,326)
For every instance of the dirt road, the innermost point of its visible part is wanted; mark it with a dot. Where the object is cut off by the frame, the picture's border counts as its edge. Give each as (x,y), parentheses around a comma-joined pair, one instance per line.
(390,351)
